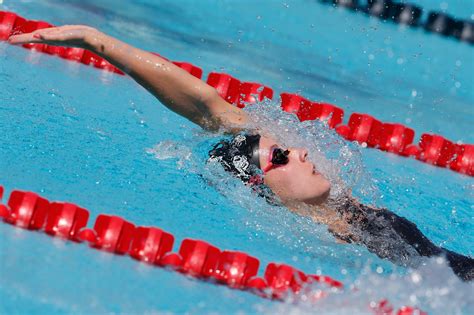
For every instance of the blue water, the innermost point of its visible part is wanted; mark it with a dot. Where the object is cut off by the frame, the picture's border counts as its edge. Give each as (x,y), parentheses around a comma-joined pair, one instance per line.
(71,132)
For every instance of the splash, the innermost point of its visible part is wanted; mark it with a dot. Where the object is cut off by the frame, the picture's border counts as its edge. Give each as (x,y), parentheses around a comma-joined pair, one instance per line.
(338,160)
(171,150)
(369,279)
(253,215)
(432,288)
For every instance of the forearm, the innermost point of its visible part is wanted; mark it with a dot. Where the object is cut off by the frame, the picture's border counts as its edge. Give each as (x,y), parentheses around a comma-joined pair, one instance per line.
(174,87)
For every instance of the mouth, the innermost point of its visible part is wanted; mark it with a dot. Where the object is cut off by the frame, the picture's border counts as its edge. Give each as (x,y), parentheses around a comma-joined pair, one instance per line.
(314,171)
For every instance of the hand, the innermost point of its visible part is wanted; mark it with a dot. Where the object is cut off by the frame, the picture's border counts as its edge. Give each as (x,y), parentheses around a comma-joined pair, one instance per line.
(68,35)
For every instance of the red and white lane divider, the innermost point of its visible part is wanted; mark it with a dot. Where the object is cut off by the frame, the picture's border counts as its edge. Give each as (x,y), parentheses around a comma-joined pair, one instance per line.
(365,129)
(154,246)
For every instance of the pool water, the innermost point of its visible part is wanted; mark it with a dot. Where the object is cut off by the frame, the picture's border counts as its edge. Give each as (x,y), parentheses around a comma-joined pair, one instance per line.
(71,132)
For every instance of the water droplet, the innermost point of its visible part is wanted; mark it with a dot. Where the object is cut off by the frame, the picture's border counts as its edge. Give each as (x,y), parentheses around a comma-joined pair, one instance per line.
(416,277)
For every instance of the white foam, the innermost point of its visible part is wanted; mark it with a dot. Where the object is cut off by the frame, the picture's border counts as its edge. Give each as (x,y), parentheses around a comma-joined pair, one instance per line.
(432,288)
(338,160)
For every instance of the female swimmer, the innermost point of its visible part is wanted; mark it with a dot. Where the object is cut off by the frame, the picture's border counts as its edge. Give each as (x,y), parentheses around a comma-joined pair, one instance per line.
(282,175)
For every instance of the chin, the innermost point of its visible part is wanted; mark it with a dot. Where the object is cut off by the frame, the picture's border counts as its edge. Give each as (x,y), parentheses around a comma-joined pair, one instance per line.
(326,184)
(328,187)
(319,198)
(325,192)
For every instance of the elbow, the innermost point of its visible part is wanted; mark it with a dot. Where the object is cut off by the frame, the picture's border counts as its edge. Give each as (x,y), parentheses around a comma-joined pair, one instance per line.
(206,115)
(209,97)
(216,113)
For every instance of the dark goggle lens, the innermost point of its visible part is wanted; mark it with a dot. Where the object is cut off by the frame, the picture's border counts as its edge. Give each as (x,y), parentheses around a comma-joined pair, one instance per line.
(279,156)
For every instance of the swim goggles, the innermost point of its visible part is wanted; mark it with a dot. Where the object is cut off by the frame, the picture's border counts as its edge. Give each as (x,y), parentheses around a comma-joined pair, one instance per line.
(277,158)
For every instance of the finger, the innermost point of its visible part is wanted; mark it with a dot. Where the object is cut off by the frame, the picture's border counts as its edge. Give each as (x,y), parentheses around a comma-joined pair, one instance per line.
(33,37)
(64,28)
(59,33)
(68,27)
(39,36)
(25,38)
(54,36)
(47,30)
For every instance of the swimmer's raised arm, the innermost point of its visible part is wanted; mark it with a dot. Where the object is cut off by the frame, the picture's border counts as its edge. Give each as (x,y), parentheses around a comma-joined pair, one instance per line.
(174,87)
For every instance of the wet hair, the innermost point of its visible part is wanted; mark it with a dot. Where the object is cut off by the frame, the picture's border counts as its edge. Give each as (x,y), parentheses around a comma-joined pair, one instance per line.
(240,156)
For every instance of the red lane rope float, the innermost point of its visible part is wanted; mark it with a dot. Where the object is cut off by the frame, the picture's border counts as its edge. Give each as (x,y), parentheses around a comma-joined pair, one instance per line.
(365,129)
(152,245)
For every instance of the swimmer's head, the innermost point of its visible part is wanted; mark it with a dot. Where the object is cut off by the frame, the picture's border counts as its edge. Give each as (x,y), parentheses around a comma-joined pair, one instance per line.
(286,171)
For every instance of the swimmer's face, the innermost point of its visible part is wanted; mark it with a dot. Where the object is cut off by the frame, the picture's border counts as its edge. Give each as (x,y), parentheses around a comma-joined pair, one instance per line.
(296,181)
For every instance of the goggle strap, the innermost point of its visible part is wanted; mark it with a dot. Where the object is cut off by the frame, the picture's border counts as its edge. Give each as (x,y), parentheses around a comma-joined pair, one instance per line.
(268,167)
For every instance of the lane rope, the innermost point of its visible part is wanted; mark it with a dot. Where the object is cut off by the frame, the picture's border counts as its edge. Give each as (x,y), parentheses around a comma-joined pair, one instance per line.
(152,245)
(412,15)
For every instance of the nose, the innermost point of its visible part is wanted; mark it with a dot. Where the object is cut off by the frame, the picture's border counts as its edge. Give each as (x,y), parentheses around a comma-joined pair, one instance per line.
(300,153)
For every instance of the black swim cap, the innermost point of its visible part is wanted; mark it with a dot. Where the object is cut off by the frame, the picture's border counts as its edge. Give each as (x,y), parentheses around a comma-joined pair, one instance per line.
(238,155)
